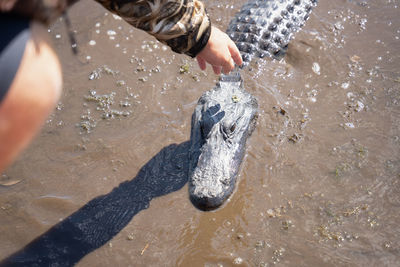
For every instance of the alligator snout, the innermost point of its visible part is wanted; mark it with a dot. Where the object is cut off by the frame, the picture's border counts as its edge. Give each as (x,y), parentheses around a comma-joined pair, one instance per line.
(225,116)
(223,120)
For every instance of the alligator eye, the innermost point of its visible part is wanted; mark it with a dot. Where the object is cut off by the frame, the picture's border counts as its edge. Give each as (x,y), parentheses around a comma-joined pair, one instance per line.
(233,127)
(228,130)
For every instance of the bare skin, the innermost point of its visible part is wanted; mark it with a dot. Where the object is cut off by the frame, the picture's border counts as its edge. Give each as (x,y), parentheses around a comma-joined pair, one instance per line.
(220,52)
(37,86)
(32,96)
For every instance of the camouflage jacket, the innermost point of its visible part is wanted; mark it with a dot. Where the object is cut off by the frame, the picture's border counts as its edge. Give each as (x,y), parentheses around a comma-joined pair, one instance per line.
(181,24)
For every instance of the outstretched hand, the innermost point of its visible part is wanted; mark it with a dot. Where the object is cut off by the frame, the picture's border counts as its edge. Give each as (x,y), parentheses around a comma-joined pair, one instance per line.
(220,52)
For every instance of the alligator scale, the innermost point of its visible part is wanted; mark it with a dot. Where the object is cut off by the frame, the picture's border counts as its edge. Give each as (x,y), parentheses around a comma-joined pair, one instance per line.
(225,116)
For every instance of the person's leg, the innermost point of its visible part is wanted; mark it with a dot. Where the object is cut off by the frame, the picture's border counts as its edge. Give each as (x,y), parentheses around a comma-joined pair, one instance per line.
(31,97)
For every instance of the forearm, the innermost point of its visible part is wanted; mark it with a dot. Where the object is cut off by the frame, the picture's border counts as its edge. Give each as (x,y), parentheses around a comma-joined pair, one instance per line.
(181,24)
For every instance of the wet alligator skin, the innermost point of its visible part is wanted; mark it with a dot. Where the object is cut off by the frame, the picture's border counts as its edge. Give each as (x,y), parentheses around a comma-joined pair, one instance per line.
(264,28)
(225,116)
(223,120)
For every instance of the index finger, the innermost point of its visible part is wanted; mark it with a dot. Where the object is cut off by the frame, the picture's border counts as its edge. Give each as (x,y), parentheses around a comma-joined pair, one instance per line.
(237,58)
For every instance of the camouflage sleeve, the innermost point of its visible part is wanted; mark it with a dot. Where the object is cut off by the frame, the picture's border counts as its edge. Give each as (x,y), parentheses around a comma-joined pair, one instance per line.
(45,11)
(181,24)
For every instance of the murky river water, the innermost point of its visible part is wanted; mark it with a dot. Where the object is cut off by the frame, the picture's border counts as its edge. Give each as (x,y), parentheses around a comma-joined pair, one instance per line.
(319,186)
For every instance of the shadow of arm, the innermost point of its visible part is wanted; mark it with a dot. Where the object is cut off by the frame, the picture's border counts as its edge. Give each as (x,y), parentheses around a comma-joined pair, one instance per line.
(105,216)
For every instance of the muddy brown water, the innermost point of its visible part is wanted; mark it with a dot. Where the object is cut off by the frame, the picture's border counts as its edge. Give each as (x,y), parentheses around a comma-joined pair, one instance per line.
(320,183)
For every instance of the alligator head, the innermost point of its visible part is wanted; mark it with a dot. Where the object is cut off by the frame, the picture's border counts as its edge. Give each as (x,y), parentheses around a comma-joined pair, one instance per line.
(223,120)
(225,116)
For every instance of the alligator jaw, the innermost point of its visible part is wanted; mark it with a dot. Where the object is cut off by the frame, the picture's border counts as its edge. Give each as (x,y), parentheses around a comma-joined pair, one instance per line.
(225,116)
(214,178)
(222,122)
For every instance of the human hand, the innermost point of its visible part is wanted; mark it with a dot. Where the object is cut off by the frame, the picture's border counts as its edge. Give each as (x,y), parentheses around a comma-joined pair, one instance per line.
(220,52)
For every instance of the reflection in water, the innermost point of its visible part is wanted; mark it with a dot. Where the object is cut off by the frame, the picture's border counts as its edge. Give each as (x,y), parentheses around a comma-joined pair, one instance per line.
(105,216)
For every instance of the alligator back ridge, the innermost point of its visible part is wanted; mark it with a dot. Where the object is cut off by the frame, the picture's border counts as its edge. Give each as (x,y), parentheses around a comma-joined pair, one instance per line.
(263,28)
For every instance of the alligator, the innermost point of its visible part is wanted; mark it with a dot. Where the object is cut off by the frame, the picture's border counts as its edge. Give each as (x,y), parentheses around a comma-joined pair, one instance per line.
(225,116)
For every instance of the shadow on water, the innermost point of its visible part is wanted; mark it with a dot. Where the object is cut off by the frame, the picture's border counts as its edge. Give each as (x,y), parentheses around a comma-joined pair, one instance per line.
(105,216)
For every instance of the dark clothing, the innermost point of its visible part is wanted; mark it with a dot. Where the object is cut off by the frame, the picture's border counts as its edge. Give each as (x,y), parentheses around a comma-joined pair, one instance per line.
(15,33)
